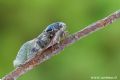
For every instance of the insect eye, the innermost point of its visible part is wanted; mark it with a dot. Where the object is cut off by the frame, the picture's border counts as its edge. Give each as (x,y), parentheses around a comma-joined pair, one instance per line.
(48,29)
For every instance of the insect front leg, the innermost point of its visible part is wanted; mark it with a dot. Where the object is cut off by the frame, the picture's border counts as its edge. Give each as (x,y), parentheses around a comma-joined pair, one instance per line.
(58,37)
(64,35)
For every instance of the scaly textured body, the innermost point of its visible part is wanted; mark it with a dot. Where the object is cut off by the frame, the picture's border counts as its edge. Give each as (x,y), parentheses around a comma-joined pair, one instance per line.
(51,35)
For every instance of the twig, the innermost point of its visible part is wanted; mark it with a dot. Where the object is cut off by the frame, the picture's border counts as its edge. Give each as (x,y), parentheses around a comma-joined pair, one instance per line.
(55,49)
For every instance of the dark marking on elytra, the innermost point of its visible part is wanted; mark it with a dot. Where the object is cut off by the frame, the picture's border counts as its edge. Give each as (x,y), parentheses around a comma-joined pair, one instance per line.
(42,43)
(35,49)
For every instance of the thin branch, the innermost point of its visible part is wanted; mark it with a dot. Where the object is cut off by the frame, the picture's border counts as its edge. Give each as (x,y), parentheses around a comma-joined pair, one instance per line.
(55,49)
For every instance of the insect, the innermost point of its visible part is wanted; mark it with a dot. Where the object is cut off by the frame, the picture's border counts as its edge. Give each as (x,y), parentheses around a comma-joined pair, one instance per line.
(50,36)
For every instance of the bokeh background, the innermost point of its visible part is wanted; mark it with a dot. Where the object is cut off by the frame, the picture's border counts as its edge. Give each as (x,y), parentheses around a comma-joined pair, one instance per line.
(95,55)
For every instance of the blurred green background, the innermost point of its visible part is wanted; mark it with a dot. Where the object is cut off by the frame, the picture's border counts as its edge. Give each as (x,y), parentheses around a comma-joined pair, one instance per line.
(95,55)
